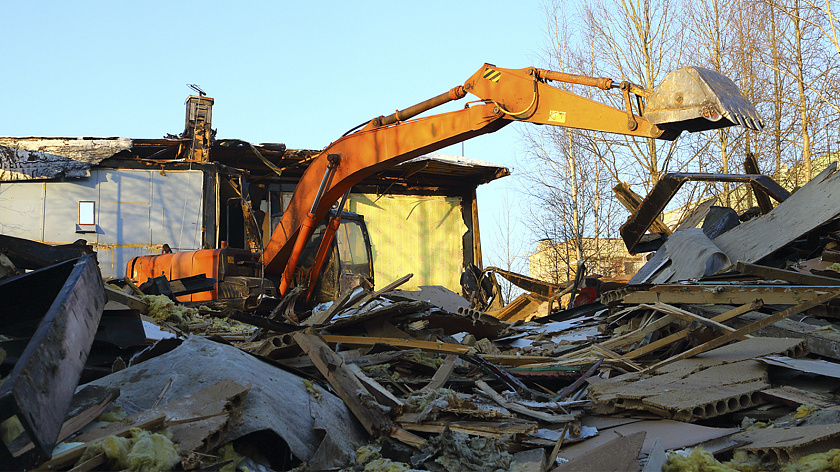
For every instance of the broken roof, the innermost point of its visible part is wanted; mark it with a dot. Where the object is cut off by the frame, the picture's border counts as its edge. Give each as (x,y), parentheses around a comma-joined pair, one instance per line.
(28,158)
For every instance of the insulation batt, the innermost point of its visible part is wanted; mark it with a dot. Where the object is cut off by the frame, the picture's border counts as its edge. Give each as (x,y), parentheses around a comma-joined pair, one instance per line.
(142,452)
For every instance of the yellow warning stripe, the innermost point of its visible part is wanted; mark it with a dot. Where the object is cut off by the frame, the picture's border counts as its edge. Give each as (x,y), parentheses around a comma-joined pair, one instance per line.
(492,74)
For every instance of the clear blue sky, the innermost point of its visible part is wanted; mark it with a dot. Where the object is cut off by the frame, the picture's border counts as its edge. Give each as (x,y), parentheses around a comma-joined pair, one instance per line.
(300,73)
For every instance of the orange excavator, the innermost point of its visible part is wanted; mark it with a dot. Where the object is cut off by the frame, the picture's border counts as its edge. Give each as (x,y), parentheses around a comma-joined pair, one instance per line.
(689,99)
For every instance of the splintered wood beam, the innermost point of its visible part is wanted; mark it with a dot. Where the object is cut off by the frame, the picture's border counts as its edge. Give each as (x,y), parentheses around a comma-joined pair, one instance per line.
(786,275)
(632,201)
(351,390)
(683,333)
(442,374)
(382,395)
(726,338)
(391,286)
(431,346)
(691,317)
(636,335)
(727,294)
(607,353)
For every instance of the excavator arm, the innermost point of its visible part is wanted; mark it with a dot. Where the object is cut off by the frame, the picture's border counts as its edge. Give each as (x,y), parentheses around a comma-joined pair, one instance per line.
(505,96)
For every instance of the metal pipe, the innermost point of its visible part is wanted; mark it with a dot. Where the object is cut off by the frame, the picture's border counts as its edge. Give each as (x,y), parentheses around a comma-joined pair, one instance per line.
(414,110)
(333,162)
(600,82)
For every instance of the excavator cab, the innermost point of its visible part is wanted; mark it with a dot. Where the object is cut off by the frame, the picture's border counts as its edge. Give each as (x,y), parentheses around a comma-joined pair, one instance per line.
(349,262)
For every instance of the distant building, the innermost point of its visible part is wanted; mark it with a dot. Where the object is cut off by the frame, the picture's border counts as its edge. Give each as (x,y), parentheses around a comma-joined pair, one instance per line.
(608,257)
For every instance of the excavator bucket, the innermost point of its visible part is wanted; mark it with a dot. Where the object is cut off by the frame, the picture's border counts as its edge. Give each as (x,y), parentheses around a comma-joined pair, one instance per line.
(697,99)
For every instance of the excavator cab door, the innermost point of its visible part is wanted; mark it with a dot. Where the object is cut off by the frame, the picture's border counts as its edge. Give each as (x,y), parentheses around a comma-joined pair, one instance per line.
(349,262)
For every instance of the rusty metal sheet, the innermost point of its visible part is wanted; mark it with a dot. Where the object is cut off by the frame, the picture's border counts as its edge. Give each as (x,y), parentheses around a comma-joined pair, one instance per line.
(60,308)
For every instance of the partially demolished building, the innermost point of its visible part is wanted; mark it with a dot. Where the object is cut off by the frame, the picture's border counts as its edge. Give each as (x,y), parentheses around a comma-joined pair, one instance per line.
(131,197)
(721,353)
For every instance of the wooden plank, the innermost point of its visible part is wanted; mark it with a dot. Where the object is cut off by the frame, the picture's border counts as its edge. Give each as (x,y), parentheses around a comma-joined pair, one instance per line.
(345,383)
(351,390)
(391,286)
(726,294)
(786,275)
(691,317)
(683,333)
(91,464)
(442,374)
(607,353)
(382,395)
(520,308)
(396,342)
(632,201)
(726,338)
(490,429)
(432,346)
(130,301)
(133,286)
(326,315)
(636,335)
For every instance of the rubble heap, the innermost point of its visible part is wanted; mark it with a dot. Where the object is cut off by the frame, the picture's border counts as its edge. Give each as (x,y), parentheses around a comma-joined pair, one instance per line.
(683,368)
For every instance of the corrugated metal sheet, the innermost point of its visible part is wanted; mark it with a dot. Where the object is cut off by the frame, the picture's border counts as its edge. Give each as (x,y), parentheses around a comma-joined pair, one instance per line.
(137,211)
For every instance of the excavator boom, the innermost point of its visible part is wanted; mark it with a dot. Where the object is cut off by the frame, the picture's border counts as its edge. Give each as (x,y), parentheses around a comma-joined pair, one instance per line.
(505,96)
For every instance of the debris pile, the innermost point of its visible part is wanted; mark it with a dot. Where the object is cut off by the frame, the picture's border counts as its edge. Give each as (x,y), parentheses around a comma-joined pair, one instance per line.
(722,353)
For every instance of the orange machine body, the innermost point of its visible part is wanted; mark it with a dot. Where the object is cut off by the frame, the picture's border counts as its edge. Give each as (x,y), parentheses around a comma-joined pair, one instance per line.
(179,265)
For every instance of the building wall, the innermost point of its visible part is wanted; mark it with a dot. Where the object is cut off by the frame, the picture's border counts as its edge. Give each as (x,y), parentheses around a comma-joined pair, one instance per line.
(557,262)
(422,235)
(136,212)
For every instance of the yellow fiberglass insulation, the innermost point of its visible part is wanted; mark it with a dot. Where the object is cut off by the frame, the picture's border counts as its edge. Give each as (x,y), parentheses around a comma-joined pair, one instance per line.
(228,453)
(701,460)
(115,449)
(385,465)
(821,462)
(10,429)
(114,414)
(151,452)
(142,452)
(805,410)
(161,308)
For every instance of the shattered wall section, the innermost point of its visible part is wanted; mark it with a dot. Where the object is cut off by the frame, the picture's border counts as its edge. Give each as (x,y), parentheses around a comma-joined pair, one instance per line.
(48,158)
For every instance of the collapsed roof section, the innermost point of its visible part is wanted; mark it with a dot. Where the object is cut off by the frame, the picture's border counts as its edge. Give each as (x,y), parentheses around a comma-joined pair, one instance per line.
(39,158)
(32,158)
